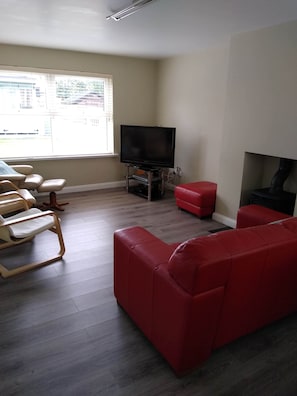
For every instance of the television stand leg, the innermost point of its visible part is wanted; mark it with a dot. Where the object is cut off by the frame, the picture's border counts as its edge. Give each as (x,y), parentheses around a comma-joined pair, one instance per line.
(149,187)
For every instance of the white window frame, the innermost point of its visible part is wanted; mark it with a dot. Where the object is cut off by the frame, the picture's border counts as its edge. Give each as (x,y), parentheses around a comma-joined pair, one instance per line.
(51,111)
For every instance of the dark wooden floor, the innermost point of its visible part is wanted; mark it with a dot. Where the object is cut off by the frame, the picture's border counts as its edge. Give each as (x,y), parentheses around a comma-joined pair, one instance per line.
(62,333)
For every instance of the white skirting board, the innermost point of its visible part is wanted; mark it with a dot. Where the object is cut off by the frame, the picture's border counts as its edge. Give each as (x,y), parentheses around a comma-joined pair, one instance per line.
(227,221)
(86,187)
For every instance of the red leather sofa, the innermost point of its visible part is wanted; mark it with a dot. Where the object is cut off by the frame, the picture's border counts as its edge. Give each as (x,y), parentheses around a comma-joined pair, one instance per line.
(194,297)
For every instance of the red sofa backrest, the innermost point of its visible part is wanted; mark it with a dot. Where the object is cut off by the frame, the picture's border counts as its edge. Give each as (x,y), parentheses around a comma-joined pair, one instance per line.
(257,267)
(200,264)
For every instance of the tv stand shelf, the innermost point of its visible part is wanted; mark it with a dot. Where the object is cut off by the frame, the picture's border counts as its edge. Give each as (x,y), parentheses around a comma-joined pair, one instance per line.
(147,183)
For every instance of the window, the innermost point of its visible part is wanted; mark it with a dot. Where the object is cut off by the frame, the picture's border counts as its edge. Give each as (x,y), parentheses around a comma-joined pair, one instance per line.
(52,115)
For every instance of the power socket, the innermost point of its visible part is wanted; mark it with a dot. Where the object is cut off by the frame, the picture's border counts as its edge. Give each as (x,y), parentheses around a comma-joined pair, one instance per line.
(178,171)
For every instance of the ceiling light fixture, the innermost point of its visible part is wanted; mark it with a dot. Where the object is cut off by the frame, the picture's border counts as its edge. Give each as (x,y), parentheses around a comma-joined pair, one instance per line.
(134,7)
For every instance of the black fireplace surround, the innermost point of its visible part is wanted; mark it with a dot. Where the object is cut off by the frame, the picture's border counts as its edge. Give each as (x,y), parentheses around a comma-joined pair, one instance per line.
(274,197)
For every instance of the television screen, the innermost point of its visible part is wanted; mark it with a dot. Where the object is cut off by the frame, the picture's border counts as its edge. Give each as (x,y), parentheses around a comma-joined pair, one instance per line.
(147,146)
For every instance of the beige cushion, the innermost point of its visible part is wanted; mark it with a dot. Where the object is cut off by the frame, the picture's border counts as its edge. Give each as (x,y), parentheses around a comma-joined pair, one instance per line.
(31,182)
(52,185)
(32,226)
(8,173)
(24,169)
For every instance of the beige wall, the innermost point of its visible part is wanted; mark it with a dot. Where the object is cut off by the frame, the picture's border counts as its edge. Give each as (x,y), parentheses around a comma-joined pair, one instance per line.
(224,102)
(135,90)
(228,101)
(191,97)
(261,105)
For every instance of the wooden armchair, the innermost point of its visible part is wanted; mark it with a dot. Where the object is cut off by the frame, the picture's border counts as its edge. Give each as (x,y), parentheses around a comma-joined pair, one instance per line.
(33,181)
(22,226)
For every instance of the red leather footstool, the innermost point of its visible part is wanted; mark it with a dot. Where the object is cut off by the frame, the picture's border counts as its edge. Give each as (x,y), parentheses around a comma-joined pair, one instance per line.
(198,197)
(252,215)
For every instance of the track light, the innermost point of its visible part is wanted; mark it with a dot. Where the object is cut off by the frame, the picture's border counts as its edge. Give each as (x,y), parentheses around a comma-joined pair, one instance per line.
(134,7)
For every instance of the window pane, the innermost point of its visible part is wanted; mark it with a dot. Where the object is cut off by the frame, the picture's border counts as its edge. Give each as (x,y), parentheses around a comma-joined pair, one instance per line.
(53,114)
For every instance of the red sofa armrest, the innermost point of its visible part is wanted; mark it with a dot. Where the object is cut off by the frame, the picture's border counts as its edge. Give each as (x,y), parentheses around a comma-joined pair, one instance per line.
(137,254)
(182,326)
(253,215)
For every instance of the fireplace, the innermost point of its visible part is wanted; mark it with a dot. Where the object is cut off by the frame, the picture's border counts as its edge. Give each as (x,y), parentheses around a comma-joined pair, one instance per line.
(282,202)
(269,181)
(275,197)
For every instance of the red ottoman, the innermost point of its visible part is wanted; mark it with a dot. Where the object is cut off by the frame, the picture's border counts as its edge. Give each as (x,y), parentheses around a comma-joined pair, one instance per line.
(252,215)
(198,198)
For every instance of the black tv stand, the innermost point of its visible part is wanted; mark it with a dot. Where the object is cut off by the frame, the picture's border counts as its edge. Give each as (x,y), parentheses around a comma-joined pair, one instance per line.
(148,183)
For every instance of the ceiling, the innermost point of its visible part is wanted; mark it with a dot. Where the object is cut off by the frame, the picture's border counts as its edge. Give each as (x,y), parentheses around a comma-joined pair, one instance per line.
(161,29)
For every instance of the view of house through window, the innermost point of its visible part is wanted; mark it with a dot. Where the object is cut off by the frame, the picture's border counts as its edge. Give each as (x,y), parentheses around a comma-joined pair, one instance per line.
(45,114)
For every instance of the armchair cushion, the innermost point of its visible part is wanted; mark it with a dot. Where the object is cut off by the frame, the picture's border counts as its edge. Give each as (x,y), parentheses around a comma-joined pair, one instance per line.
(7,172)
(31,182)
(24,169)
(26,228)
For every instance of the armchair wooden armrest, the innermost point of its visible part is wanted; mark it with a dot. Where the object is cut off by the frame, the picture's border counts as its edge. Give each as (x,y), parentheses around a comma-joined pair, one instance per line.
(12,201)
(9,186)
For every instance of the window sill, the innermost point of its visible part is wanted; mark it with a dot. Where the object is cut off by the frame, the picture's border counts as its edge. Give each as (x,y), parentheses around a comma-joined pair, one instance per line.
(60,157)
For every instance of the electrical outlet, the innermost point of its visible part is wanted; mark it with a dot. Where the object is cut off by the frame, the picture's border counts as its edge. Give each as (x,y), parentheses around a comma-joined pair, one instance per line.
(178,171)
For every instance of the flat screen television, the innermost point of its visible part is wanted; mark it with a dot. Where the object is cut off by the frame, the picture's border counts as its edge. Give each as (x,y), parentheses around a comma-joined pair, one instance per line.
(148,146)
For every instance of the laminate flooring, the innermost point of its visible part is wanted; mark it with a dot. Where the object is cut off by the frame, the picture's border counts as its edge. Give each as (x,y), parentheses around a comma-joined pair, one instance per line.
(62,332)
